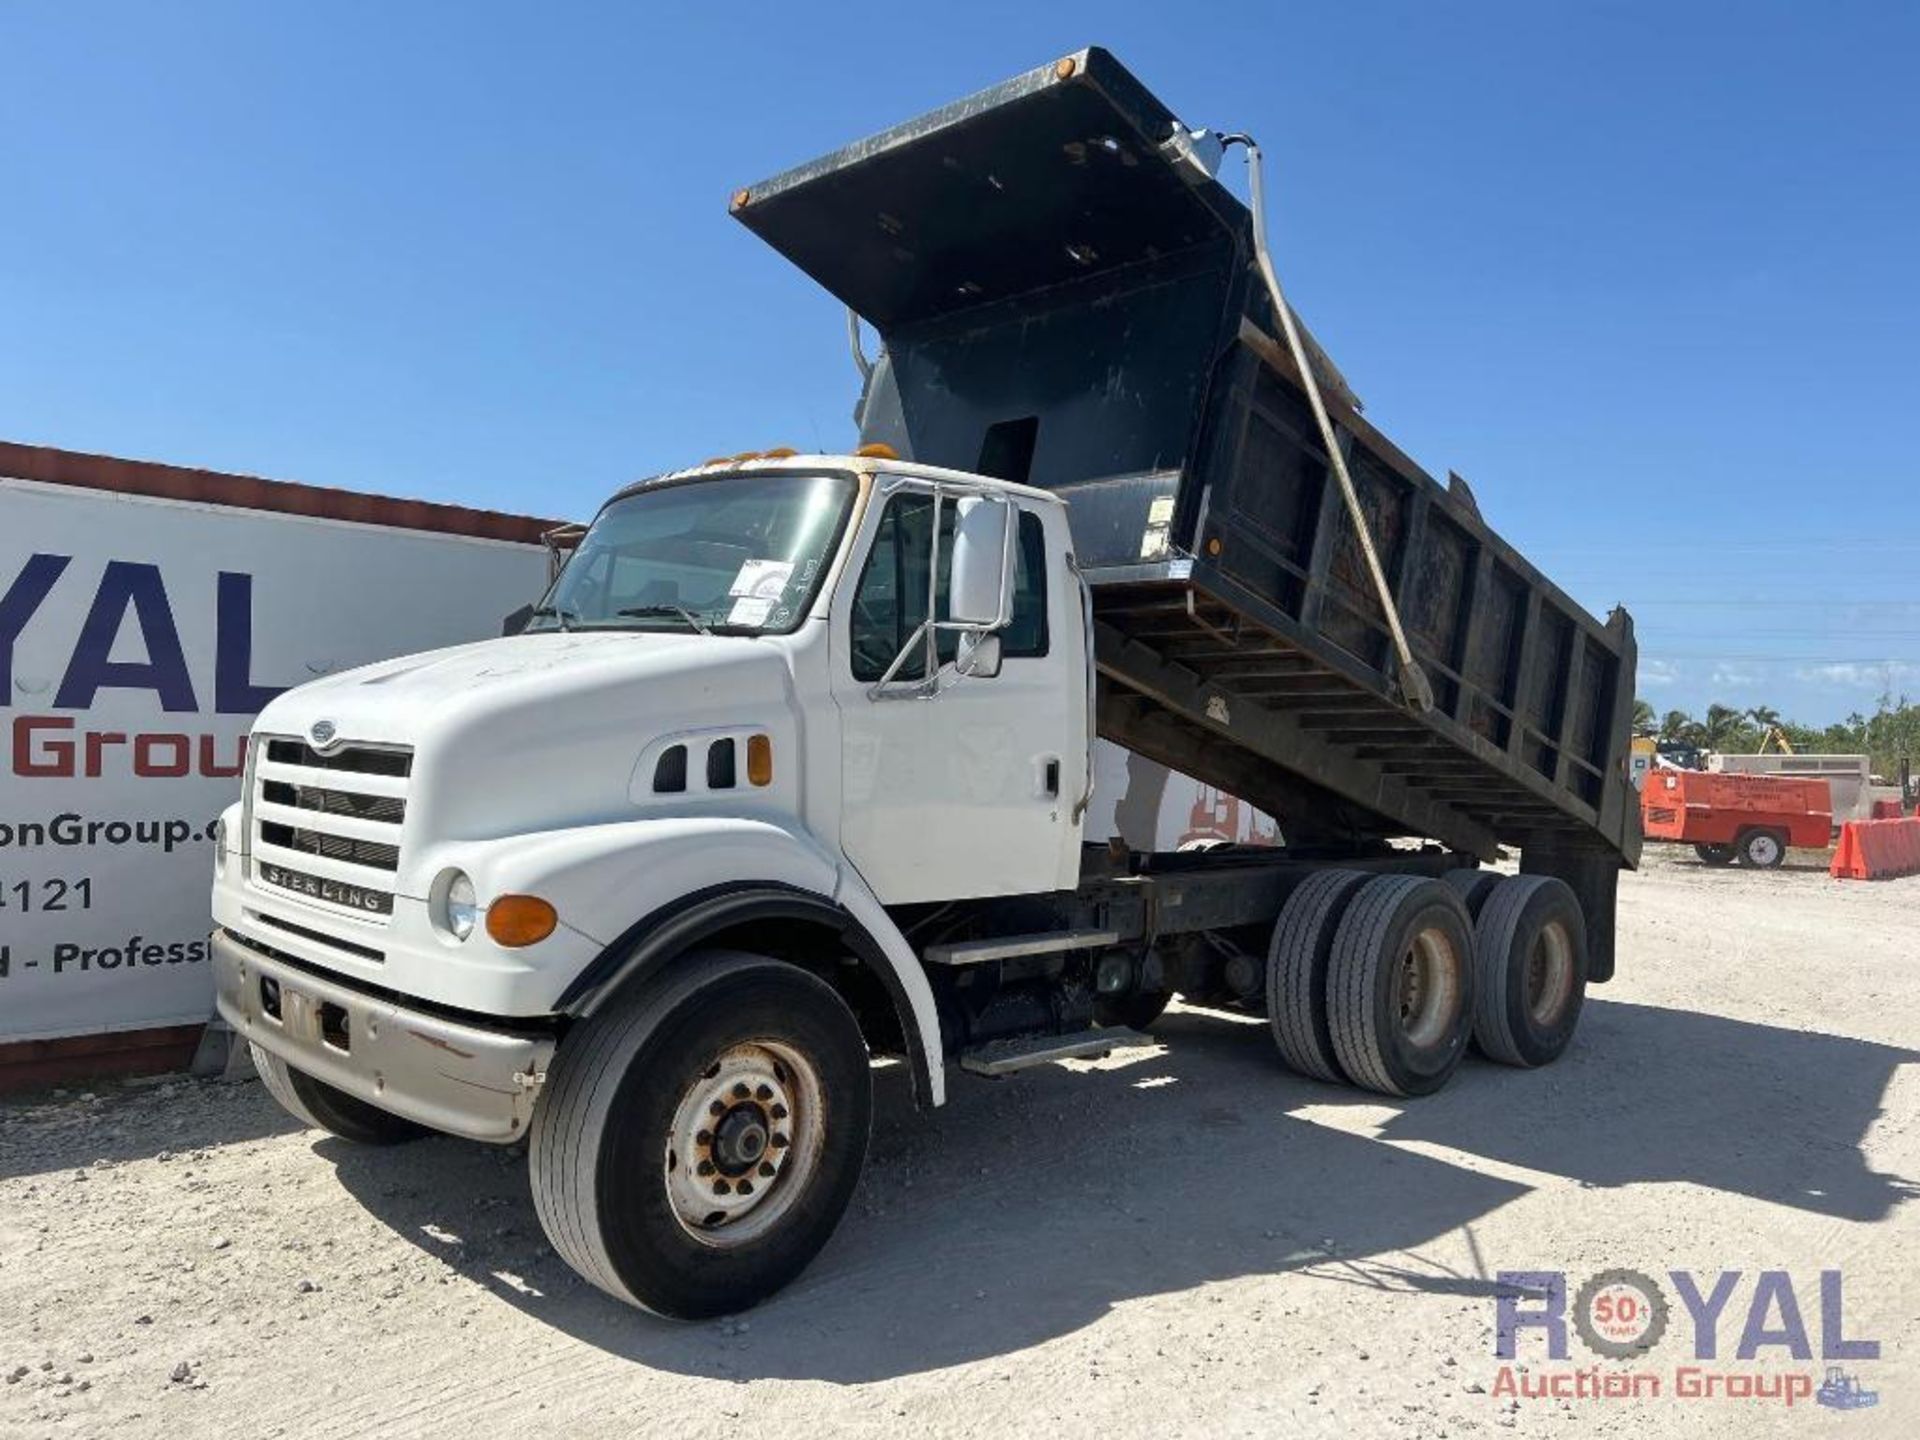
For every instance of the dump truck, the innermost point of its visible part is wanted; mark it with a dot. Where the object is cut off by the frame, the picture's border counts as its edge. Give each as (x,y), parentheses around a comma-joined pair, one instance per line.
(788,773)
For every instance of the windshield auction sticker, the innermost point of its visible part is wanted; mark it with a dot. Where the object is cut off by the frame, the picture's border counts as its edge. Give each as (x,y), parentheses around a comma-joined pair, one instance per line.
(762,579)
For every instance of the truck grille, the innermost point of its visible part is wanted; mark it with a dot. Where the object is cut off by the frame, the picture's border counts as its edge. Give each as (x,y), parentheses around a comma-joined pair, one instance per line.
(326,827)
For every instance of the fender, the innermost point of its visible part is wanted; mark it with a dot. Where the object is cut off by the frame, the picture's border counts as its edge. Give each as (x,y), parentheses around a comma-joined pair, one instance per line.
(656,941)
(658,868)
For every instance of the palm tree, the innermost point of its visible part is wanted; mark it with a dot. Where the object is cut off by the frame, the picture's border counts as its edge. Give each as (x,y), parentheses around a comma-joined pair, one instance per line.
(1643,718)
(1724,726)
(1677,725)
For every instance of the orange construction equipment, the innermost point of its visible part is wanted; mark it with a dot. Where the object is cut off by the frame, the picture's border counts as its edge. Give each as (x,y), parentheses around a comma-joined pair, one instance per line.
(1729,817)
(1877,850)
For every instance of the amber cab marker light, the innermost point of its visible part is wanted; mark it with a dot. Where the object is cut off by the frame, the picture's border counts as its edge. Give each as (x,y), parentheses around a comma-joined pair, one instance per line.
(740,199)
(1062,69)
(759,760)
(516,920)
(878,450)
(779,452)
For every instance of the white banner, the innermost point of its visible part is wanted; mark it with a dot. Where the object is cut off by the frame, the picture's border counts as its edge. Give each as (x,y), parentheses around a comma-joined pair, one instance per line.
(138,638)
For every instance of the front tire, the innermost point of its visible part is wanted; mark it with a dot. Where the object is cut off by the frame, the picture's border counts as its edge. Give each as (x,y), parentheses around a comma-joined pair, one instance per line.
(698,1141)
(1715,855)
(1400,985)
(320,1106)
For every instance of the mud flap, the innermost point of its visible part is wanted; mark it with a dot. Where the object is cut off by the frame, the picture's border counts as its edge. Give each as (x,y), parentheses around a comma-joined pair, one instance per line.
(1594,878)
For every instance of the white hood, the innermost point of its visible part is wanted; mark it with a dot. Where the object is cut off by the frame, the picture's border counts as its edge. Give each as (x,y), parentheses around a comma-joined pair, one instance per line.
(535,731)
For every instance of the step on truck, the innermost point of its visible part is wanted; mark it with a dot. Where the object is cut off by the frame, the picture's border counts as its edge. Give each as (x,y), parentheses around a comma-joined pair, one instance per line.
(790,770)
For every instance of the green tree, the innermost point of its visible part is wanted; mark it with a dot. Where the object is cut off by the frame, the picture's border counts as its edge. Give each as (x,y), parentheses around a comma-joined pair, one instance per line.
(1678,725)
(1644,722)
(1726,729)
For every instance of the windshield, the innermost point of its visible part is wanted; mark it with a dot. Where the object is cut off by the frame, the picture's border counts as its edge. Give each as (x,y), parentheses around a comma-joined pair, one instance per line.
(739,554)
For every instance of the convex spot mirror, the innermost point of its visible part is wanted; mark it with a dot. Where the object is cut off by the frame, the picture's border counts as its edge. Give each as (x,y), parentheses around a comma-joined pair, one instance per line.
(981,591)
(978,655)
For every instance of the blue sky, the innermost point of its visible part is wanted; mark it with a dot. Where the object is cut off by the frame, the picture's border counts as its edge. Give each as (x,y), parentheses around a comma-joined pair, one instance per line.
(1643,273)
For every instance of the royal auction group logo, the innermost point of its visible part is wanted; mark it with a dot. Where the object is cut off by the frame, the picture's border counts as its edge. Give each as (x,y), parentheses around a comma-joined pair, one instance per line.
(1624,1315)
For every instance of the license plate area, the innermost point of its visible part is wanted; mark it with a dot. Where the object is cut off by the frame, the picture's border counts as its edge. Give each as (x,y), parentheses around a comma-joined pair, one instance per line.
(301,1014)
(336,1030)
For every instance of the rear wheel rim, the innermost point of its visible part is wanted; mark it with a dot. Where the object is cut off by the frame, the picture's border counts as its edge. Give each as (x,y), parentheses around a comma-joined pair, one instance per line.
(1427,988)
(1764,849)
(1549,973)
(744,1142)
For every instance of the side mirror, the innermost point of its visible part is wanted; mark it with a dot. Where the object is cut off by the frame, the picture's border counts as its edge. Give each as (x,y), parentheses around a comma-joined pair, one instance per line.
(981,588)
(978,655)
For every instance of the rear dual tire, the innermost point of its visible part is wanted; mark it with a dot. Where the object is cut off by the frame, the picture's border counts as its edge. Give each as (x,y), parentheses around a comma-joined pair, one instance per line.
(1369,980)
(1400,985)
(1379,980)
(1530,963)
(1473,887)
(1297,964)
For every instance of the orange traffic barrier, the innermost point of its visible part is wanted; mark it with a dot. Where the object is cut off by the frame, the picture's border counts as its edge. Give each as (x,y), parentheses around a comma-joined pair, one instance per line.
(1847,864)
(1877,850)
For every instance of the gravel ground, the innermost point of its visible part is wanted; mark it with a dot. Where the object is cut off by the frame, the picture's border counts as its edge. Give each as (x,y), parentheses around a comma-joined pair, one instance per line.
(1185,1240)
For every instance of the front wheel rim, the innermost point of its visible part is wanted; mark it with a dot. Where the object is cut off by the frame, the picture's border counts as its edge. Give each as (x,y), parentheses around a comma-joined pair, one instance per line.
(744,1142)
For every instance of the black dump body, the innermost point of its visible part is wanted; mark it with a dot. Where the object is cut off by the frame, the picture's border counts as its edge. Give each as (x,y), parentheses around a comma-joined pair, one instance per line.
(1064,302)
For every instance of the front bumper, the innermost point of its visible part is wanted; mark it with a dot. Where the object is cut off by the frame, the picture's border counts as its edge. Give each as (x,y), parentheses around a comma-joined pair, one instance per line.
(461,1079)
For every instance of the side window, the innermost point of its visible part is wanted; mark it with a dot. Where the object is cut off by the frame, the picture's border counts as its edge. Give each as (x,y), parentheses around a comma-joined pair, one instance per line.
(890,600)
(1026,634)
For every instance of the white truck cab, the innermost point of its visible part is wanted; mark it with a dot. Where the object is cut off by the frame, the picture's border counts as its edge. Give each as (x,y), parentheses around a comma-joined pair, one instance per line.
(732,709)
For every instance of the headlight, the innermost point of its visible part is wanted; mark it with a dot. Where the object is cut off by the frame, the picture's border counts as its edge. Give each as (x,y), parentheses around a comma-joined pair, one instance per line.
(459,906)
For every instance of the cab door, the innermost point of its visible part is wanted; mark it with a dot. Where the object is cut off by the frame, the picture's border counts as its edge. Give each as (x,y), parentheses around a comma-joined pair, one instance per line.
(967,786)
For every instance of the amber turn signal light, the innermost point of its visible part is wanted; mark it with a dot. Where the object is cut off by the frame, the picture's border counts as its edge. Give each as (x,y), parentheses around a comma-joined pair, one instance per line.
(516,920)
(759,760)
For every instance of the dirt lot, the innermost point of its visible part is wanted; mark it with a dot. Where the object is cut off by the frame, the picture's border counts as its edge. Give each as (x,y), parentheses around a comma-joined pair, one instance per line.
(1188,1240)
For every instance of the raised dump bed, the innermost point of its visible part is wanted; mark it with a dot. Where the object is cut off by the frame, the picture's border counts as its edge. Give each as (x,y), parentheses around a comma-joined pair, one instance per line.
(1066,296)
